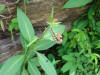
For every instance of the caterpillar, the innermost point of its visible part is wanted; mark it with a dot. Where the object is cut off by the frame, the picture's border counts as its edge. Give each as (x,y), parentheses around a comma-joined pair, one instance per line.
(58,38)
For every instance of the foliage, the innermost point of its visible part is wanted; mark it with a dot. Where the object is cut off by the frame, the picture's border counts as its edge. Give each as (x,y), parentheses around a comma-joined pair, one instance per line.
(76,3)
(80,47)
(31,62)
(2,7)
(13,26)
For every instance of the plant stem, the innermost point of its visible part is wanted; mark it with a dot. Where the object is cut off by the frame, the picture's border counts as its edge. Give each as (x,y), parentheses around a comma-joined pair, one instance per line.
(29,51)
(25,6)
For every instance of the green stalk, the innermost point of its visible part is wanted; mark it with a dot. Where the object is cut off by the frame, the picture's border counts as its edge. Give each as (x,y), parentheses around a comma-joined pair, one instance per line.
(25,6)
(29,51)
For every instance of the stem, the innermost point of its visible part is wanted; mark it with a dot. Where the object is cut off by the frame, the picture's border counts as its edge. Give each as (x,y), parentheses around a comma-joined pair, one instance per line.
(29,51)
(38,41)
(25,6)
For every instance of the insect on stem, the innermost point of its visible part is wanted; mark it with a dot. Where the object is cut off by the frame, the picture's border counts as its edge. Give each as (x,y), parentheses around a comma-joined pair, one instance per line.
(57,39)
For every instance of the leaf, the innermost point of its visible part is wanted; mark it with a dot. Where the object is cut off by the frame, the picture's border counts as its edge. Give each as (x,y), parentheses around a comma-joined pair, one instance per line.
(71,66)
(2,7)
(35,61)
(23,41)
(12,66)
(91,11)
(48,40)
(98,26)
(25,26)
(1,65)
(76,3)
(68,58)
(13,25)
(72,72)
(66,67)
(33,70)
(44,44)
(25,72)
(56,29)
(81,24)
(46,65)
(98,73)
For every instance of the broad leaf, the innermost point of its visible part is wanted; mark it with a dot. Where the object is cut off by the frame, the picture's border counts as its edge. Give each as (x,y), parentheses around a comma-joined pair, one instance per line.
(44,44)
(33,70)
(48,40)
(12,66)
(76,3)
(56,29)
(46,65)
(25,26)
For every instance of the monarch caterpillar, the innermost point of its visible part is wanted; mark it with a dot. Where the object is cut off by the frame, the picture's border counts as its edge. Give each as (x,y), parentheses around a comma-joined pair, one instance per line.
(57,39)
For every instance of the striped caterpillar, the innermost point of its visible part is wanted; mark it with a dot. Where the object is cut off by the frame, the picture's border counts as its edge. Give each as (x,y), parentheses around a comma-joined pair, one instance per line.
(58,38)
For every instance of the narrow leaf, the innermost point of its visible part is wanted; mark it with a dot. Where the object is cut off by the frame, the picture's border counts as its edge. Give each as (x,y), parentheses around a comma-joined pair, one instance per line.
(33,70)
(46,65)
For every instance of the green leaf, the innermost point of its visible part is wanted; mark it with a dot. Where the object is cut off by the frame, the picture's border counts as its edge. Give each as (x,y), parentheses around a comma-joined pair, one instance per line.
(76,3)
(91,11)
(2,7)
(81,24)
(68,58)
(1,65)
(48,40)
(35,61)
(44,44)
(66,67)
(13,24)
(56,29)
(98,26)
(25,26)
(25,72)
(73,71)
(98,73)
(33,70)
(12,66)
(71,66)
(23,41)
(46,65)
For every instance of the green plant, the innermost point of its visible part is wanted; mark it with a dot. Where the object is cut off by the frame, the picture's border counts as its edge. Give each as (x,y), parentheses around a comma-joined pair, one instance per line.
(13,26)
(76,3)
(80,47)
(31,61)
(2,8)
